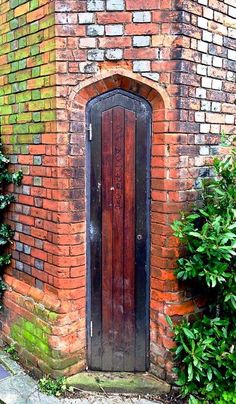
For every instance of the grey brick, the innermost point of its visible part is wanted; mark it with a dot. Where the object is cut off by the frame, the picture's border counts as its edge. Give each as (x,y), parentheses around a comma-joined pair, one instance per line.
(96,54)
(141,66)
(37,160)
(115,5)
(26,190)
(19,265)
(13,159)
(27,249)
(39,284)
(141,41)
(37,181)
(142,16)
(95,30)
(86,18)
(19,227)
(26,210)
(88,68)
(114,30)
(19,246)
(39,264)
(95,5)
(114,54)
(27,269)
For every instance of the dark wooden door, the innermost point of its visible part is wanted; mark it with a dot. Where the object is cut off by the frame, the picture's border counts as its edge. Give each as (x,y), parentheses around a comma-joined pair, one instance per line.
(118,232)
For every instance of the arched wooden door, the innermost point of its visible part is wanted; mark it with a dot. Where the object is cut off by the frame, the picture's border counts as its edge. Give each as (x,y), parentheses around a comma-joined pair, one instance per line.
(118,188)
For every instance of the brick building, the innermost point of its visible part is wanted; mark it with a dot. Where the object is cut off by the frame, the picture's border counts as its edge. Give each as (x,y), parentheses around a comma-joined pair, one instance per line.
(89,90)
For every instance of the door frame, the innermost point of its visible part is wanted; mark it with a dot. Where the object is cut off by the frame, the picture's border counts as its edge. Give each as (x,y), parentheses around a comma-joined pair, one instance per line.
(88,305)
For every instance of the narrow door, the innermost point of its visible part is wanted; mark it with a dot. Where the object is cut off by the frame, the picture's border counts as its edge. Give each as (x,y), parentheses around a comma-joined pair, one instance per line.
(118,233)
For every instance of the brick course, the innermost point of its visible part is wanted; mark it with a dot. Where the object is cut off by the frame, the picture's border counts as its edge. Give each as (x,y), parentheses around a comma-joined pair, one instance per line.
(54,57)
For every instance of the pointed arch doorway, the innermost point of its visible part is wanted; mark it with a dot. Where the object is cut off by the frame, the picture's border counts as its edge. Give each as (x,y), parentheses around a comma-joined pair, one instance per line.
(118,195)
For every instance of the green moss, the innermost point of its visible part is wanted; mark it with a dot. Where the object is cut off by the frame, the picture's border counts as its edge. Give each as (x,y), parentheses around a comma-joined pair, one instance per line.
(31,336)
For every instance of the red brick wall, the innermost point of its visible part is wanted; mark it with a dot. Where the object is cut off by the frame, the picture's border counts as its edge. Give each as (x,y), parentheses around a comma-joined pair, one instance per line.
(180,56)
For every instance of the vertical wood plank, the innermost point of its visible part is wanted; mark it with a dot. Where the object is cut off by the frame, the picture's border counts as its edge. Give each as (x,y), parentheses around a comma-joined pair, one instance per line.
(129,242)
(107,246)
(118,236)
(95,243)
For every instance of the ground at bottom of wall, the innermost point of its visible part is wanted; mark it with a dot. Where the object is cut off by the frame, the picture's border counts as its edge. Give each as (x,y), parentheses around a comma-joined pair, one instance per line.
(18,387)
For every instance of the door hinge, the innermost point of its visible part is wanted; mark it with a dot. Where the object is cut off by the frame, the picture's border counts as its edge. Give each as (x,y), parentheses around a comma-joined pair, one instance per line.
(90,132)
(91,329)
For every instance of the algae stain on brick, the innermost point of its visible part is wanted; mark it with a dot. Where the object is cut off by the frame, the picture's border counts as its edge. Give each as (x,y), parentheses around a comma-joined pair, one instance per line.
(32,337)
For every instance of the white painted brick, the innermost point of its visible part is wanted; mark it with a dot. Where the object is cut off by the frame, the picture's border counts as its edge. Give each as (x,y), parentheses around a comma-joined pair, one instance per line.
(206,82)
(218,39)
(114,54)
(202,22)
(141,65)
(204,150)
(152,76)
(202,46)
(114,30)
(232,33)
(95,30)
(141,41)
(95,5)
(208,13)
(207,59)
(202,70)
(207,36)
(199,116)
(205,105)
(142,16)
(96,54)
(231,76)
(201,92)
(217,62)
(204,127)
(229,119)
(204,2)
(216,107)
(232,54)
(232,12)
(86,18)
(216,84)
(115,5)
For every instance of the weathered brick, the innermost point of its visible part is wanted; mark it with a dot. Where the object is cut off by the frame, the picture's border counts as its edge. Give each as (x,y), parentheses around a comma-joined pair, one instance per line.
(116,5)
(114,54)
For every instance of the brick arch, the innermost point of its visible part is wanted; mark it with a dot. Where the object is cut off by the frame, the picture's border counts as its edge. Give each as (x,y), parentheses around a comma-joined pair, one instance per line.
(165,200)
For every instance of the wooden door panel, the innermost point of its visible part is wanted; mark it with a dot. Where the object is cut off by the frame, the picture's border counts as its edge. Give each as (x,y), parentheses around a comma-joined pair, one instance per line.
(118,255)
(107,244)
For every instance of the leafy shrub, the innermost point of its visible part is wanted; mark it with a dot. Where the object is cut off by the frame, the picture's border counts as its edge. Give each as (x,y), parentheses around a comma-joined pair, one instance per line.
(6,232)
(206,346)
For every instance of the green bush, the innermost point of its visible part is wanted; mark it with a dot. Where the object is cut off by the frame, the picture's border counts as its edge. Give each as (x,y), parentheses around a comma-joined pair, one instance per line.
(205,347)
(6,232)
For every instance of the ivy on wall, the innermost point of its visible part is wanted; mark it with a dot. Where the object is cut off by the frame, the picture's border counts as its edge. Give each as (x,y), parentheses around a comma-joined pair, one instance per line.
(6,232)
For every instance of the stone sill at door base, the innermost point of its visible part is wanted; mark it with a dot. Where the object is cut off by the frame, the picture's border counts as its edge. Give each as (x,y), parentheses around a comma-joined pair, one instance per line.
(119,382)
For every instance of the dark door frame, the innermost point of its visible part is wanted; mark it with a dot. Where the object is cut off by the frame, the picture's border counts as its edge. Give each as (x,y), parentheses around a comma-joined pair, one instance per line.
(145,104)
